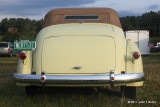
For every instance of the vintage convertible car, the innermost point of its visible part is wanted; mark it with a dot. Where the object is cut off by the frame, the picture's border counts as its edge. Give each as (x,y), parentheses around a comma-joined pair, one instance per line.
(81,47)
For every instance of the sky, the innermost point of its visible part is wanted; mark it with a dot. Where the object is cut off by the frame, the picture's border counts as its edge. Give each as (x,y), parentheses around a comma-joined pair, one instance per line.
(36,9)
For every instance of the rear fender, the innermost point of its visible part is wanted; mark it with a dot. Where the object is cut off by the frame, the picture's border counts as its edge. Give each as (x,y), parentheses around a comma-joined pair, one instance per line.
(25,66)
(133,65)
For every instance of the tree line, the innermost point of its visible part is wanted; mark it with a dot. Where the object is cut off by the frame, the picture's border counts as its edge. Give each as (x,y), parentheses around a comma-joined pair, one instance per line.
(28,29)
(148,21)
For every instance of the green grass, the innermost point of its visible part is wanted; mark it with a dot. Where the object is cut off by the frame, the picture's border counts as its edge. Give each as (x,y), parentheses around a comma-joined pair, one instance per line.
(4,58)
(14,96)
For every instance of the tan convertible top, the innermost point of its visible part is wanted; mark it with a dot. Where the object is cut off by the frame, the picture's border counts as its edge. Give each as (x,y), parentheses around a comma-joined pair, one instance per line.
(82,15)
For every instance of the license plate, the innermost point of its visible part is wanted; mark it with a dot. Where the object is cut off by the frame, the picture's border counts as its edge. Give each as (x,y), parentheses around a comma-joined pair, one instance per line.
(24,45)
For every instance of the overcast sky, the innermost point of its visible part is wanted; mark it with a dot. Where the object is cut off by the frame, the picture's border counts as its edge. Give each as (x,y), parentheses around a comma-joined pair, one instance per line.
(36,9)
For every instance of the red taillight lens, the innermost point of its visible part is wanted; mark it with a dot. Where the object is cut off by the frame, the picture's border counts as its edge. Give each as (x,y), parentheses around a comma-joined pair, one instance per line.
(43,78)
(112,78)
(136,55)
(22,56)
(151,46)
(9,49)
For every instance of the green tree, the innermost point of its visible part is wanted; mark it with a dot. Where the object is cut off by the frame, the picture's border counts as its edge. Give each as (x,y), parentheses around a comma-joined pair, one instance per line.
(27,29)
(148,21)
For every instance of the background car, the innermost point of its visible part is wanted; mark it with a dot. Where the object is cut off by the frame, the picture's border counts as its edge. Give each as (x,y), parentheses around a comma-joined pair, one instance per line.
(6,49)
(154,47)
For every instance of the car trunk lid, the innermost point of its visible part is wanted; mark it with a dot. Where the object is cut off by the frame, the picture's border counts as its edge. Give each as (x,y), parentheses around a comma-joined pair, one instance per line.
(78,54)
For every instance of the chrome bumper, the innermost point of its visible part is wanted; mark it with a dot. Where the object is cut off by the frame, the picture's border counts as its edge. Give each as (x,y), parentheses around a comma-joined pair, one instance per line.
(79,79)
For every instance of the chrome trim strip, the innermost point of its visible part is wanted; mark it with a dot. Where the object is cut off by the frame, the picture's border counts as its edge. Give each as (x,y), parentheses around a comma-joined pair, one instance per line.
(79,79)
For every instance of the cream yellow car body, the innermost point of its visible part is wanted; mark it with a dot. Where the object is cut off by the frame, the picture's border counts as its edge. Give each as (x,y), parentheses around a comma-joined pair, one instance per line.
(103,49)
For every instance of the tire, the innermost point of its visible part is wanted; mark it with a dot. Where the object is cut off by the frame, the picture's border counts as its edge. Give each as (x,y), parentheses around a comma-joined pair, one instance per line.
(33,90)
(128,92)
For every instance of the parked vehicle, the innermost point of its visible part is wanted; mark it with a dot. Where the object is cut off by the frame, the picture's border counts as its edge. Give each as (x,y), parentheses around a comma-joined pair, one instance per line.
(6,48)
(154,47)
(141,38)
(81,47)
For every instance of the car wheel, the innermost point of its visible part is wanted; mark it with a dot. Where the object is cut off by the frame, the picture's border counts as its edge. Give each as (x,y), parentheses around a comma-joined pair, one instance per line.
(33,90)
(128,92)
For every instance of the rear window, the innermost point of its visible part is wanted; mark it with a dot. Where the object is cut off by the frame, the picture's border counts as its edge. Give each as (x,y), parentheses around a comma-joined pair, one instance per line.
(3,44)
(81,17)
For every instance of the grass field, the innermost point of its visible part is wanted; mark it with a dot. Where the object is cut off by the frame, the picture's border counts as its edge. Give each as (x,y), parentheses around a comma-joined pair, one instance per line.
(14,96)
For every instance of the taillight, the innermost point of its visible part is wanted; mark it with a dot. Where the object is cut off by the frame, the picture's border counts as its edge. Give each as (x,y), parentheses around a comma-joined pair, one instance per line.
(112,78)
(43,78)
(22,56)
(136,55)
(9,49)
(151,46)
(112,75)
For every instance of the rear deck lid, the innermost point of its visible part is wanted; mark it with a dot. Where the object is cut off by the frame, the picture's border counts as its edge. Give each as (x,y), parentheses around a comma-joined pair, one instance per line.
(78,54)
